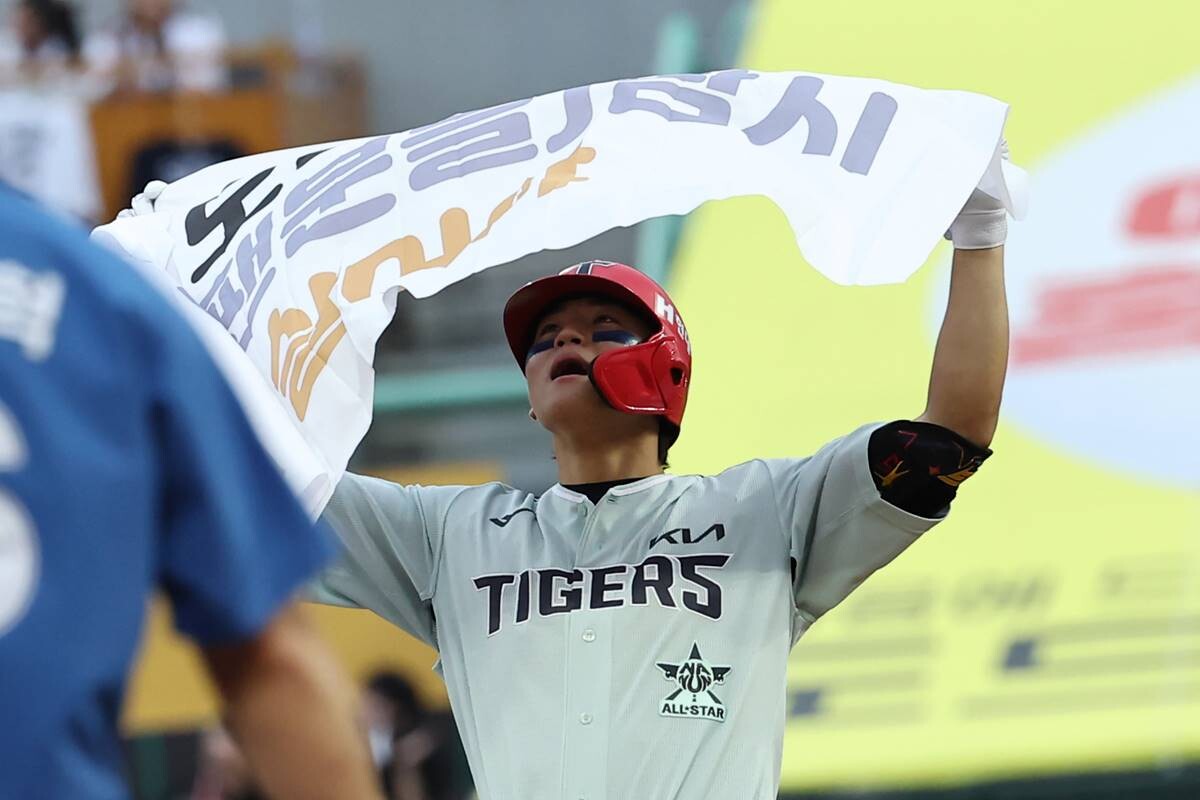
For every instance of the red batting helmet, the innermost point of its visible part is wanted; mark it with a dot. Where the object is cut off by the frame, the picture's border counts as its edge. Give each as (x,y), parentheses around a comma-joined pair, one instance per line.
(647,378)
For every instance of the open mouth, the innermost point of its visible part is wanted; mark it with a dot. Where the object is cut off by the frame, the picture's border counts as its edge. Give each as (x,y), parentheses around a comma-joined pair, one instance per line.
(569,365)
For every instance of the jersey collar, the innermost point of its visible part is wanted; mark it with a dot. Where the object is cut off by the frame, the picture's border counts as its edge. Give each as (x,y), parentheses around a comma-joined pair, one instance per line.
(617,491)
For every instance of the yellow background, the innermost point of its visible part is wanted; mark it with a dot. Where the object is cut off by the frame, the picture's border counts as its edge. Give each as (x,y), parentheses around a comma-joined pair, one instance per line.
(1039,539)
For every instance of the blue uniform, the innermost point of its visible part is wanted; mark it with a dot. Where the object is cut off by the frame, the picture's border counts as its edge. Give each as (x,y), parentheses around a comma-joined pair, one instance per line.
(126,464)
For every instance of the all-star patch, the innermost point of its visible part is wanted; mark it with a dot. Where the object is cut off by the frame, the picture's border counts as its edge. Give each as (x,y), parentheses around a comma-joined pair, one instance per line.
(693,680)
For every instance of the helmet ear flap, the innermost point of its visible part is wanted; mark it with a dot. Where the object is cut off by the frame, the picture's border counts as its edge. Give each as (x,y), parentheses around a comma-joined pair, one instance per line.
(673,376)
(647,378)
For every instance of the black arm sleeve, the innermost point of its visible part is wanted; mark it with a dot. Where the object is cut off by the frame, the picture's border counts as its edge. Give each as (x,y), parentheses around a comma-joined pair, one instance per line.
(918,466)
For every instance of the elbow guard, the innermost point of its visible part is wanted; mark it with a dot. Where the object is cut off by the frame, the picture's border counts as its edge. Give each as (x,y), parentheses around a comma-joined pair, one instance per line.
(918,466)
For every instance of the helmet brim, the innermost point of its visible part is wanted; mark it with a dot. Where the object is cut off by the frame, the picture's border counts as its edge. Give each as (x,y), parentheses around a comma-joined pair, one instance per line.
(530,303)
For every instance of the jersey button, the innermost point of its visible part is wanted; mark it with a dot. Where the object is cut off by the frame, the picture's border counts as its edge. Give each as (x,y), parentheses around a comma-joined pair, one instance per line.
(585,718)
(589,635)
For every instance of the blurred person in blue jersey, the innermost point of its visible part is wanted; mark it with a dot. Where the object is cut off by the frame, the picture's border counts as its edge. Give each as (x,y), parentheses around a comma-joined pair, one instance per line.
(126,465)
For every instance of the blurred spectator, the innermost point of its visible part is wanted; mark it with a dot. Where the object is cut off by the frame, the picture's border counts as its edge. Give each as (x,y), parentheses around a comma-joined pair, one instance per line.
(43,38)
(416,753)
(222,772)
(160,46)
(171,159)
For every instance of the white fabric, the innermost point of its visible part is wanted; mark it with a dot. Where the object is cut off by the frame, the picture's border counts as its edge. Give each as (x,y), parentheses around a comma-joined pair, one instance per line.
(868,173)
(983,221)
(982,224)
(303,467)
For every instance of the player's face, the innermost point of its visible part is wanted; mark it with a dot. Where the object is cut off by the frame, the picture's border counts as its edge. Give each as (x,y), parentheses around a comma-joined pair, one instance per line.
(566,340)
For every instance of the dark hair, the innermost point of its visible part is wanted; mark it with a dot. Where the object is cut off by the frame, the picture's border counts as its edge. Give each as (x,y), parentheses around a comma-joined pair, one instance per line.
(58,21)
(394,688)
(667,435)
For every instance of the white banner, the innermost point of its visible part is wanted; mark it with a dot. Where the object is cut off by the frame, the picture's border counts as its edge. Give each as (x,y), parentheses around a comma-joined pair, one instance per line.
(298,254)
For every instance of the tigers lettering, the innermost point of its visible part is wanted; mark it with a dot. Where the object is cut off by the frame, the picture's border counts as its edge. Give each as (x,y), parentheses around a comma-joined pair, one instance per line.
(673,581)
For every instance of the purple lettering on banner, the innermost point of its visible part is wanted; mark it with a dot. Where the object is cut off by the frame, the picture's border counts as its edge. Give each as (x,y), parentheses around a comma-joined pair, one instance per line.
(799,101)
(203,301)
(326,190)
(252,258)
(868,134)
(727,81)
(577,103)
(457,122)
(339,167)
(468,143)
(253,255)
(231,303)
(229,292)
(226,303)
(248,334)
(710,110)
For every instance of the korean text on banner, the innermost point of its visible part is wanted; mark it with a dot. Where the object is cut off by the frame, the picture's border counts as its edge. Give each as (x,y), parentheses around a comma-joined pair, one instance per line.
(298,254)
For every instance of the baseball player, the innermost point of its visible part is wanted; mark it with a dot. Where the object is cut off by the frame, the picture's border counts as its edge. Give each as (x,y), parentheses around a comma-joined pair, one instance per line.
(127,465)
(626,634)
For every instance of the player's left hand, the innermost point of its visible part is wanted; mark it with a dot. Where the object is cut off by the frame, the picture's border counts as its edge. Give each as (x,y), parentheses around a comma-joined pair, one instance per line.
(143,203)
(983,222)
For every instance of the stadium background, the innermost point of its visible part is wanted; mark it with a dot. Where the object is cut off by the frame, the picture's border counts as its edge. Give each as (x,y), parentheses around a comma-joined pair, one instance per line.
(1045,641)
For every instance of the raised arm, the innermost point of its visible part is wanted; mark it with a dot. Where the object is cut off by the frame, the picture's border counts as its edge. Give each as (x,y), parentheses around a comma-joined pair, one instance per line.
(971,357)
(876,506)
(847,515)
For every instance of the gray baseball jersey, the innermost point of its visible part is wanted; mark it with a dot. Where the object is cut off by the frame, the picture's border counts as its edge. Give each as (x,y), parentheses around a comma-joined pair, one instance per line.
(635,648)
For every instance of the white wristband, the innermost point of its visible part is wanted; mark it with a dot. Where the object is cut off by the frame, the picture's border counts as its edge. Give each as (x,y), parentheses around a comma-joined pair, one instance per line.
(979,229)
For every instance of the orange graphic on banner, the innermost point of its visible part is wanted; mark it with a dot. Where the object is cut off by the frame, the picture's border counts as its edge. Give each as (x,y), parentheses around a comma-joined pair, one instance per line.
(456,230)
(300,348)
(309,345)
(566,171)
